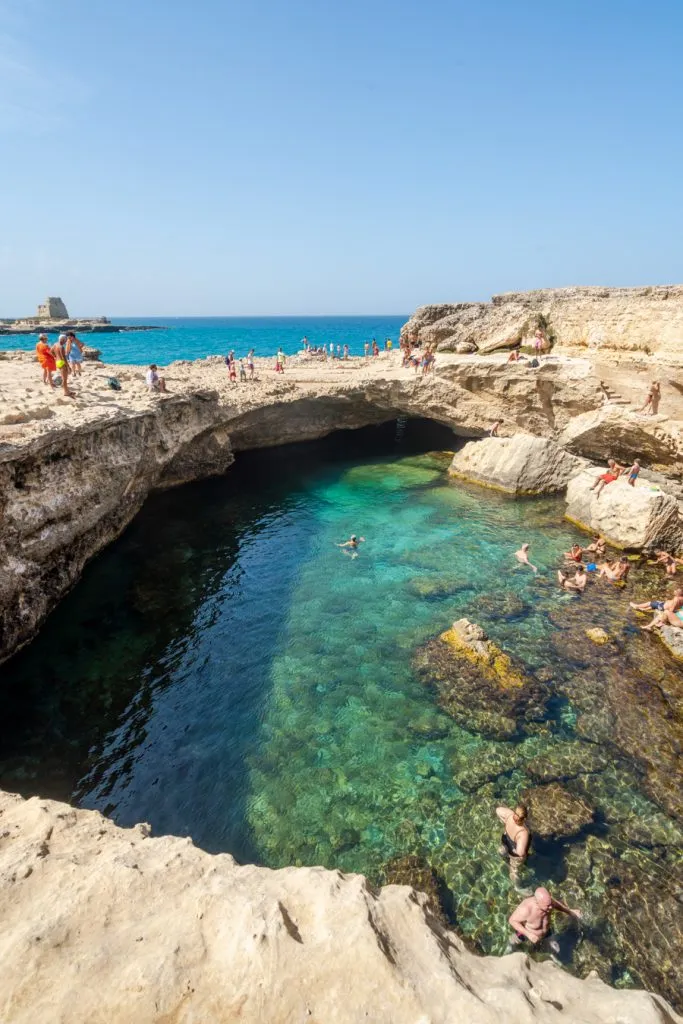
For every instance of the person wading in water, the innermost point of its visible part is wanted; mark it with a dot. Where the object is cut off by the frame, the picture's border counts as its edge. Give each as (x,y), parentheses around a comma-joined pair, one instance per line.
(516,838)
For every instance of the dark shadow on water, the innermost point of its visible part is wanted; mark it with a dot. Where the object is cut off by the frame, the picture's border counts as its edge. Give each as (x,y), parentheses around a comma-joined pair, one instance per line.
(123,701)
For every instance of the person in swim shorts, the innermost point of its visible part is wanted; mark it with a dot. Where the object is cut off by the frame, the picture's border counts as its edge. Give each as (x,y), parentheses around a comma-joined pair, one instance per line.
(532,919)
(613,472)
(575,554)
(633,473)
(668,613)
(46,359)
(74,353)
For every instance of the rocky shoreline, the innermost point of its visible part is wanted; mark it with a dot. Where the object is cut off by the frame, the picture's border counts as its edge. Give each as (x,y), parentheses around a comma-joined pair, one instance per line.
(16,328)
(81,895)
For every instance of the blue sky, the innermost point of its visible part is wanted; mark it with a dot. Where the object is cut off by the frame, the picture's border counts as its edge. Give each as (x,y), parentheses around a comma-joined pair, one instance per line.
(292,156)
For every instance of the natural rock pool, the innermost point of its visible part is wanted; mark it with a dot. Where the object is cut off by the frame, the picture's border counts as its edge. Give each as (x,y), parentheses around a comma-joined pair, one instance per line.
(225,671)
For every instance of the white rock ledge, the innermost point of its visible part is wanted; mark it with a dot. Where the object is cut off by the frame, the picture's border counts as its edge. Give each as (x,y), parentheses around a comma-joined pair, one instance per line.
(103,925)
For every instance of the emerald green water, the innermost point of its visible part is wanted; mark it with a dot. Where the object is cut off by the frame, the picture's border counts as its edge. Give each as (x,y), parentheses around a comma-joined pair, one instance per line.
(226,671)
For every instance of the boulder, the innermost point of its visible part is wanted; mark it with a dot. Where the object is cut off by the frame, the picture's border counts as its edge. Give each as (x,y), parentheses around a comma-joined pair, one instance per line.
(91,353)
(522,464)
(478,684)
(628,517)
(465,347)
(622,434)
(554,813)
(672,638)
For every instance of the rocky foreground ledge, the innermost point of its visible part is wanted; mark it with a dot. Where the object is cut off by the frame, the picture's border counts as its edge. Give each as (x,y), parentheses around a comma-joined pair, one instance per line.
(106,924)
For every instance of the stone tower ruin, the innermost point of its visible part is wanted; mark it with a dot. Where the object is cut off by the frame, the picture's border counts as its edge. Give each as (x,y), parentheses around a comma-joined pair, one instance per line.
(52,309)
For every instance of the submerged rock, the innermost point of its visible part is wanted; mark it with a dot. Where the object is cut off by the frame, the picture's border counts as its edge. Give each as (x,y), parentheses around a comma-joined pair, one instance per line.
(567,760)
(598,635)
(627,517)
(419,874)
(522,464)
(478,684)
(555,813)
(672,638)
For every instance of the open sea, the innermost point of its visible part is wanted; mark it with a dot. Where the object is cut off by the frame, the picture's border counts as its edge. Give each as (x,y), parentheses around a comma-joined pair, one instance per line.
(194,337)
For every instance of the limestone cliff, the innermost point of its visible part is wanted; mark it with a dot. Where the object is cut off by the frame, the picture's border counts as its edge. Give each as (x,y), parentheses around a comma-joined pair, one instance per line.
(75,471)
(105,924)
(616,320)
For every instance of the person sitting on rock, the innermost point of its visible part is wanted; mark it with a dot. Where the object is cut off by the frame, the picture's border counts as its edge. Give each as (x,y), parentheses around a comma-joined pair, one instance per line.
(531,920)
(154,381)
(672,605)
(670,562)
(514,356)
(598,546)
(669,613)
(614,471)
(516,839)
(578,584)
(575,554)
(615,572)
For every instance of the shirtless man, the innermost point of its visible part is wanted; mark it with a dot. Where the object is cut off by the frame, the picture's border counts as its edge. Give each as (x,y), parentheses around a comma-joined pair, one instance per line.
(615,571)
(668,612)
(516,837)
(614,471)
(493,432)
(523,556)
(578,584)
(531,919)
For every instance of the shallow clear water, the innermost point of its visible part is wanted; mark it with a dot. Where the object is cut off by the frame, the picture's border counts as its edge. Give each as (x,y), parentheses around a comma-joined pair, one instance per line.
(226,671)
(195,337)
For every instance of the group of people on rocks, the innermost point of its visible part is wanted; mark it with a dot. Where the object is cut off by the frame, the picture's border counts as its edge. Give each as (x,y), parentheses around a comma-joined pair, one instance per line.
(668,612)
(612,473)
(417,358)
(246,368)
(64,357)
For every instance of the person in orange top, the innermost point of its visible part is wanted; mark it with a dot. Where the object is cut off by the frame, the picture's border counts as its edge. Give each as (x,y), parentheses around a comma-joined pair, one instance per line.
(46,359)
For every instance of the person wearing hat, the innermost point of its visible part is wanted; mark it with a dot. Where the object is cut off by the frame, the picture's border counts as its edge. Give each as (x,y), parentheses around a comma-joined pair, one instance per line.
(46,359)
(532,918)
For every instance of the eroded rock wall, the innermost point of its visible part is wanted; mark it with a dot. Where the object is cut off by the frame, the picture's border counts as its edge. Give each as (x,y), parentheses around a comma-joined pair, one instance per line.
(597,320)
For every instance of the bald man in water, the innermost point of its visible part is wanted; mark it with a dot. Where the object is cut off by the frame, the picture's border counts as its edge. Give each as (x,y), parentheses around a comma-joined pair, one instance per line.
(531,919)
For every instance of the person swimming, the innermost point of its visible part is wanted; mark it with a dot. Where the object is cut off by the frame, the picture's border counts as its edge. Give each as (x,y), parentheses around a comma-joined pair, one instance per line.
(523,556)
(350,546)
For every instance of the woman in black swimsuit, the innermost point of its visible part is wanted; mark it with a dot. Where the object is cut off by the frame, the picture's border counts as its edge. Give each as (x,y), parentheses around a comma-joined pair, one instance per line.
(516,839)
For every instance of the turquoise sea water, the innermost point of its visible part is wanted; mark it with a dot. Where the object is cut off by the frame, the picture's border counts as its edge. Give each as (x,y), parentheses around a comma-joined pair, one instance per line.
(227,672)
(196,337)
